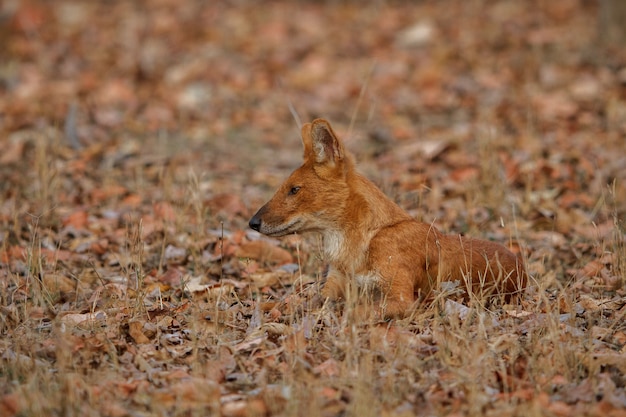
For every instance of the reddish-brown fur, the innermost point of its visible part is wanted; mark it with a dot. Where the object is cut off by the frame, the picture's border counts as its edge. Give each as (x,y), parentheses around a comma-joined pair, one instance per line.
(370,240)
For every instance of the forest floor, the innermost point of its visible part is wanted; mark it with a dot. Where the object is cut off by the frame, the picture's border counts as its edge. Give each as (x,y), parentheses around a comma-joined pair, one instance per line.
(137,139)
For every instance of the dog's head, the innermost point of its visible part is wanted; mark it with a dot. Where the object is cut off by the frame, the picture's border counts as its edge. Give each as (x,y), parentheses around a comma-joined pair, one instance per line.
(314,195)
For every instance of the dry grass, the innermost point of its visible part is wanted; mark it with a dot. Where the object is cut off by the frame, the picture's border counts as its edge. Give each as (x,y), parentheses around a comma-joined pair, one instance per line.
(246,348)
(130,286)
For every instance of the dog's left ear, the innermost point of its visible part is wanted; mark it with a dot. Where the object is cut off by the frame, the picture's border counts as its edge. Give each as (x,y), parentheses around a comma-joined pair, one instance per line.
(326,146)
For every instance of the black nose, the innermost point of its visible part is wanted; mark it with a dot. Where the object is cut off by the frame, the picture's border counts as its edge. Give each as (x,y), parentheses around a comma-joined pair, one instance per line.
(255,223)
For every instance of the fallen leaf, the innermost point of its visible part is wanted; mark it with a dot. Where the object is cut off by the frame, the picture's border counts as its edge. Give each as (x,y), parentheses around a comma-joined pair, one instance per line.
(228,203)
(264,251)
(277,329)
(518,313)
(135,331)
(420,33)
(173,277)
(560,408)
(590,270)
(464,174)
(57,283)
(452,308)
(269,279)
(245,408)
(78,219)
(329,368)
(9,405)
(164,211)
(14,149)
(75,319)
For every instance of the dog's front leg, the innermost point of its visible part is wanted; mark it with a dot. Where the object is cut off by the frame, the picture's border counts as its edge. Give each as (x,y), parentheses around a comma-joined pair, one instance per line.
(398,296)
(334,288)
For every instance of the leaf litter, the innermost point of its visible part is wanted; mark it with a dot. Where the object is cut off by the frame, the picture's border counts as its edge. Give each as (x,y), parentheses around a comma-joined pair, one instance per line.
(138,139)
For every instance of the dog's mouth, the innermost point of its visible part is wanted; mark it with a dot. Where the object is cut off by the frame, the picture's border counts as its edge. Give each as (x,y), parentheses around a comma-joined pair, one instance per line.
(281,230)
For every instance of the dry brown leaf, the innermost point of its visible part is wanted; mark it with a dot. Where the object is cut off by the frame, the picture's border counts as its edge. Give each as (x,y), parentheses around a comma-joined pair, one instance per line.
(277,329)
(78,219)
(75,319)
(274,314)
(53,256)
(135,330)
(197,393)
(598,332)
(100,195)
(464,174)
(172,277)
(13,253)
(586,89)
(458,310)
(57,283)
(114,409)
(9,405)
(560,408)
(100,246)
(245,408)
(132,200)
(264,251)
(14,149)
(591,303)
(418,34)
(429,149)
(268,306)
(553,106)
(518,313)
(228,203)
(620,338)
(213,290)
(250,343)
(590,270)
(269,279)
(598,360)
(164,211)
(594,231)
(194,284)
(606,408)
(328,368)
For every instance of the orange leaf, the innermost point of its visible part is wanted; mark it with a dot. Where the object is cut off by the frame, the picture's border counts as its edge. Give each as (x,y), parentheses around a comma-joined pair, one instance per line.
(59,283)
(464,174)
(560,408)
(226,203)
(164,211)
(592,269)
(264,251)
(329,367)
(172,277)
(135,331)
(77,219)
(9,405)
(132,200)
(55,255)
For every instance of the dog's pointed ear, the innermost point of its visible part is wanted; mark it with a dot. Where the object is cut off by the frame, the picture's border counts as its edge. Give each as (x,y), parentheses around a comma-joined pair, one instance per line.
(326,147)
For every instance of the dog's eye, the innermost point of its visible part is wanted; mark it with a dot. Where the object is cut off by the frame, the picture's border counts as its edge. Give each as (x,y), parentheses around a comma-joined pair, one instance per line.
(294,190)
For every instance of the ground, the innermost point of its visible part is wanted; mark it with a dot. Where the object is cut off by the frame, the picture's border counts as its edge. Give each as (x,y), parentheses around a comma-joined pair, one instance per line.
(139,137)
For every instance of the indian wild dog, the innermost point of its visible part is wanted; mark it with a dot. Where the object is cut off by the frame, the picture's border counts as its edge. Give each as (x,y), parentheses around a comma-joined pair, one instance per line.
(369,239)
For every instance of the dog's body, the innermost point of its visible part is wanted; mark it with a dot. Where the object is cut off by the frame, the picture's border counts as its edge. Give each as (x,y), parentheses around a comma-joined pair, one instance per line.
(369,239)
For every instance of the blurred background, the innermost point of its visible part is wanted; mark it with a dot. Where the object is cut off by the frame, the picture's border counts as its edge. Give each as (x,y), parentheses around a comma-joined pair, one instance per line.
(460,110)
